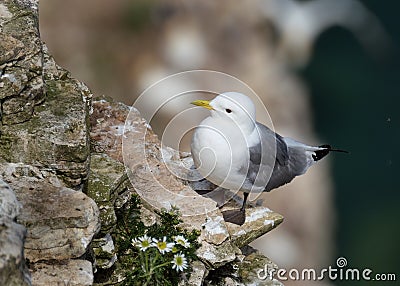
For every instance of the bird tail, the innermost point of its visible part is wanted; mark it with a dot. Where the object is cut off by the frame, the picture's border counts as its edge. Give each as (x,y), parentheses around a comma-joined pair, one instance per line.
(324,150)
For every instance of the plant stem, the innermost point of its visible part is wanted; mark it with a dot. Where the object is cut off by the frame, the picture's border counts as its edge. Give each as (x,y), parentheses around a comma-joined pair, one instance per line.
(146,259)
(149,273)
(161,265)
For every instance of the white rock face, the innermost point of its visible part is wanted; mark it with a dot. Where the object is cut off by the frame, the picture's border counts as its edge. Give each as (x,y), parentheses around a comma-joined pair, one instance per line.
(12,235)
(61,222)
(9,205)
(73,273)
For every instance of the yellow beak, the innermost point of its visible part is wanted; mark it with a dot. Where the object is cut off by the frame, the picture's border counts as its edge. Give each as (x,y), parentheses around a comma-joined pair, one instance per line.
(203,103)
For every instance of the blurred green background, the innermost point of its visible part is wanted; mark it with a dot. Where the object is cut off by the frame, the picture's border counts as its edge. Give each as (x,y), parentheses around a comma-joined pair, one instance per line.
(356,103)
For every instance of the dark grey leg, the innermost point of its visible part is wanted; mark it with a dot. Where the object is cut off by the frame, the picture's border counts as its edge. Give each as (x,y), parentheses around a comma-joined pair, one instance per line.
(245,196)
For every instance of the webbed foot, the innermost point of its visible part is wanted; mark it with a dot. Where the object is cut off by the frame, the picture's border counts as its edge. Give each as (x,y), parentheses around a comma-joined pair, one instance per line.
(235,216)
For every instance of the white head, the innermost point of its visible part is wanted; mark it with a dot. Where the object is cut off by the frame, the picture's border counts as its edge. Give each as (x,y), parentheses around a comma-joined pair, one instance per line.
(232,106)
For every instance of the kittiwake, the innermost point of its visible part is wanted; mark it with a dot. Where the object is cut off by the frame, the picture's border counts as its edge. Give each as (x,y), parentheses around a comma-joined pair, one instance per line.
(232,150)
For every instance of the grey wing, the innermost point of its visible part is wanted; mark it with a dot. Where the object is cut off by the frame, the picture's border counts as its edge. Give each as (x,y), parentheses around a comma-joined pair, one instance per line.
(264,156)
(272,162)
(296,164)
(271,142)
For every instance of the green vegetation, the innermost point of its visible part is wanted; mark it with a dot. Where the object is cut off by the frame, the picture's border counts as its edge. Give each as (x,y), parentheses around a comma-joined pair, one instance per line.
(156,255)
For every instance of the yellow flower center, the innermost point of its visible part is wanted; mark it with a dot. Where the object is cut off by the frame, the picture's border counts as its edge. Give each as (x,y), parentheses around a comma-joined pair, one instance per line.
(179,261)
(162,245)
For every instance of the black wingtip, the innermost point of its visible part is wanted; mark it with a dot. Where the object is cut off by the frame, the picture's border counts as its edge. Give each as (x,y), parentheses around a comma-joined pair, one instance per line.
(319,154)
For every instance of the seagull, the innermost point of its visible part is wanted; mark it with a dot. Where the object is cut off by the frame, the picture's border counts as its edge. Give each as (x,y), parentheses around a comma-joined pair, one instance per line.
(233,151)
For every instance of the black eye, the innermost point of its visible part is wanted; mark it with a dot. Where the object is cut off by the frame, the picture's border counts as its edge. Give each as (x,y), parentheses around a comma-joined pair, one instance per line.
(228,110)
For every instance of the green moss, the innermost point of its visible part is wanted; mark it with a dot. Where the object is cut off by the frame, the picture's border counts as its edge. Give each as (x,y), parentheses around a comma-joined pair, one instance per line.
(101,254)
(6,143)
(103,185)
(104,177)
(107,217)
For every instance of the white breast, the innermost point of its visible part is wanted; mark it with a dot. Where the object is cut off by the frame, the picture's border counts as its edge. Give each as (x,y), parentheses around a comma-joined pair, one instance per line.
(219,152)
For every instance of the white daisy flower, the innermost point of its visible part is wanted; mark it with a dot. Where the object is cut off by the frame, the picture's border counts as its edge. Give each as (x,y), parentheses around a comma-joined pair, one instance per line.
(179,239)
(179,262)
(162,245)
(135,242)
(143,242)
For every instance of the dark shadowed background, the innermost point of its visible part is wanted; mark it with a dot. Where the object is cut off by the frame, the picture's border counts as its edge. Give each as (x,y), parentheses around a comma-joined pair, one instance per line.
(363,97)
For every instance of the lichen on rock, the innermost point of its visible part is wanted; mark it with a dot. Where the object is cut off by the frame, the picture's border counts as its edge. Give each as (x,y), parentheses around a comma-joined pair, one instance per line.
(44,112)
(103,186)
(61,155)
